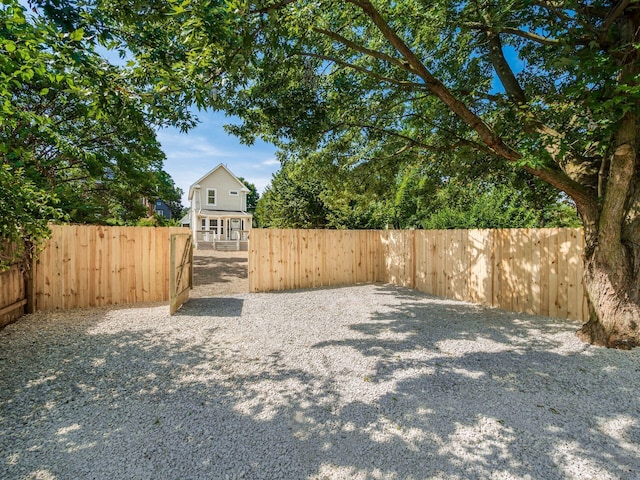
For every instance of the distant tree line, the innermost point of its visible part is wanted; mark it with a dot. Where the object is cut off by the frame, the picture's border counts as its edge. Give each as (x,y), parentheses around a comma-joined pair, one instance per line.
(415,194)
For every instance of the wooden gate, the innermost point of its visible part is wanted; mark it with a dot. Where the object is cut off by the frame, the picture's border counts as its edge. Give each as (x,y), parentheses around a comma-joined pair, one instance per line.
(181,270)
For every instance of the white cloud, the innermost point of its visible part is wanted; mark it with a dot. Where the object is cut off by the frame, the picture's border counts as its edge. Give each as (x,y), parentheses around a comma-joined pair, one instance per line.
(261,184)
(271,162)
(190,147)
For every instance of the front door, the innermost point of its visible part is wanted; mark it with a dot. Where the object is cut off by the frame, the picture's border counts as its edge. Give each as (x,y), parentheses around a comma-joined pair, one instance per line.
(236,228)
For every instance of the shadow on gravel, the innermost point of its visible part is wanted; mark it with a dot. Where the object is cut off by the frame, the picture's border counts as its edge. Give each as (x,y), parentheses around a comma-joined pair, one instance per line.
(211,269)
(211,307)
(180,401)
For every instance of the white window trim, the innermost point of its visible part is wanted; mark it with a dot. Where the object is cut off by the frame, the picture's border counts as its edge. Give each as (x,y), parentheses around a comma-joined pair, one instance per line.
(215,193)
(234,193)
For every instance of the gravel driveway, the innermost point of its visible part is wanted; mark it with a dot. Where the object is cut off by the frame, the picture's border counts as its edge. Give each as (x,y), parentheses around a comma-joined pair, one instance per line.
(219,273)
(365,382)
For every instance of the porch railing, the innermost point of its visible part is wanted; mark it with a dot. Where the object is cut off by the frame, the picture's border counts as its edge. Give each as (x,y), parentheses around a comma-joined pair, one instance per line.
(206,236)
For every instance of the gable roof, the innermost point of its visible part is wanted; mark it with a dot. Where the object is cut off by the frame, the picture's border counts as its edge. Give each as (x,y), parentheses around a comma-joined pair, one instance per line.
(243,188)
(186,219)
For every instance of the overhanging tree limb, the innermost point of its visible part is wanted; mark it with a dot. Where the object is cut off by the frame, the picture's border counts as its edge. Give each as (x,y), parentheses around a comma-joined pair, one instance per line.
(582,195)
(614,14)
(382,78)
(367,51)
(514,31)
(495,143)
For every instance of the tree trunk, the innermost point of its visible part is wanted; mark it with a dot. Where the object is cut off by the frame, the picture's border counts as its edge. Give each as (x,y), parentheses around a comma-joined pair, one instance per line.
(612,254)
(614,301)
(611,210)
(612,258)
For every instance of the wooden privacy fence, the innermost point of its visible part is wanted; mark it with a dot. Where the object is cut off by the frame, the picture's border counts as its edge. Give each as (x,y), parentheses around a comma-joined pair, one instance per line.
(524,270)
(13,296)
(88,265)
(288,259)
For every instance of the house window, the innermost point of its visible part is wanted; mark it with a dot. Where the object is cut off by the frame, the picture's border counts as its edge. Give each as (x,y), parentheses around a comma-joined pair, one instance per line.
(213,225)
(204,224)
(211,196)
(234,193)
(160,212)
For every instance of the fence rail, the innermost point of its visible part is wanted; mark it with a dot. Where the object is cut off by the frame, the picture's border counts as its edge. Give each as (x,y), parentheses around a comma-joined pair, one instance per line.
(525,270)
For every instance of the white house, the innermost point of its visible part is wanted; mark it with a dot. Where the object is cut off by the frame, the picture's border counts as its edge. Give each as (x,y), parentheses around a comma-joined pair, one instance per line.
(219,211)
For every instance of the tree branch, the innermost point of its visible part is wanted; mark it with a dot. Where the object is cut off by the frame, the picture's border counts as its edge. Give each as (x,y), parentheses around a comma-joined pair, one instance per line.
(412,141)
(366,51)
(514,31)
(582,195)
(551,7)
(504,71)
(488,137)
(459,141)
(382,78)
(556,9)
(614,14)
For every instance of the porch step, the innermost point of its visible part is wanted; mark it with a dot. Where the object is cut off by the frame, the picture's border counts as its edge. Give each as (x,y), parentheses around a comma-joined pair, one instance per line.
(226,246)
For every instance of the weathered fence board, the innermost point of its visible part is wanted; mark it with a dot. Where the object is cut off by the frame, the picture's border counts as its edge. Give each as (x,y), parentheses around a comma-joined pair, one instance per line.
(13,296)
(525,270)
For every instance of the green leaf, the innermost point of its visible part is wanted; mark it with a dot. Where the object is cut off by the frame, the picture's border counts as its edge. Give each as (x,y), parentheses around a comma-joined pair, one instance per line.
(77,35)
(18,17)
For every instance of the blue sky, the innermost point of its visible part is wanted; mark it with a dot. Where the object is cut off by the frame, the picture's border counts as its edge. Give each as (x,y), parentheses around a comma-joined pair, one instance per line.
(191,155)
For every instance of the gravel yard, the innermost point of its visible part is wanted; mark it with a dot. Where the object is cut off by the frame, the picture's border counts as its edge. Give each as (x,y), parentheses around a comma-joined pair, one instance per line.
(365,382)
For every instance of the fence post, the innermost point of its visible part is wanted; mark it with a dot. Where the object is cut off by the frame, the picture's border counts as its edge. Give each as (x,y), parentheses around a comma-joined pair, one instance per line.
(172,269)
(412,239)
(191,269)
(29,285)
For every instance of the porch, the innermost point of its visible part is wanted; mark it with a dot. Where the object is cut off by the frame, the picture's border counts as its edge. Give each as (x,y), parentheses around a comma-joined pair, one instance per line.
(210,243)
(214,231)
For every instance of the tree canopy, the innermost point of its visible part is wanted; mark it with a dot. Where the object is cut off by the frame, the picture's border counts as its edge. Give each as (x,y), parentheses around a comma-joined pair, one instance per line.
(77,138)
(309,193)
(252,197)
